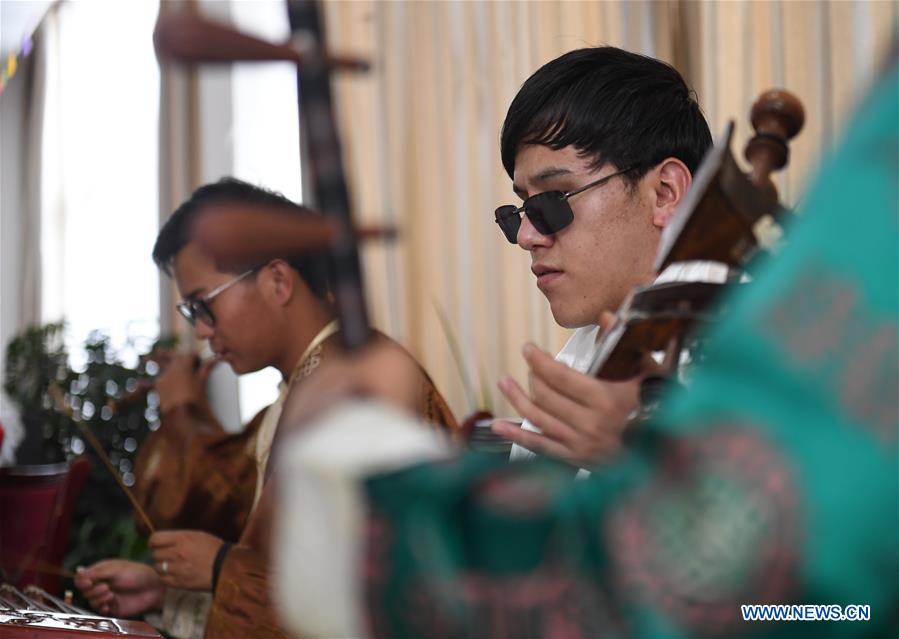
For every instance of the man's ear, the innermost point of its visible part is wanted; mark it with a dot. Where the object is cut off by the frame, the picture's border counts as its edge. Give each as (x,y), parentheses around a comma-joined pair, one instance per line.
(672,181)
(279,281)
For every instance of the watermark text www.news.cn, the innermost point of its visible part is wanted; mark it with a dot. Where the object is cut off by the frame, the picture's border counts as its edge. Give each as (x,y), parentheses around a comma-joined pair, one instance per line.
(805,612)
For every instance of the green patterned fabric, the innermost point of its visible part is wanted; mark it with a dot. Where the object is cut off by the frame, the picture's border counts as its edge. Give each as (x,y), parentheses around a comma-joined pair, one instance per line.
(773,479)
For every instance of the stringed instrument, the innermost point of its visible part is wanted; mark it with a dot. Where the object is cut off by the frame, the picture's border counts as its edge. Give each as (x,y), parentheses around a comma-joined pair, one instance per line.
(722,219)
(35,614)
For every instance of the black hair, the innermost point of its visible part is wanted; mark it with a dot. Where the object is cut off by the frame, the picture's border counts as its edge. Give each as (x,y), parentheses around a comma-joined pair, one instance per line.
(614,106)
(176,233)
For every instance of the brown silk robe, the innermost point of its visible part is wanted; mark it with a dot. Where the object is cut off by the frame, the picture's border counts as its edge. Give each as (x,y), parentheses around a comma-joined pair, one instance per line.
(192,475)
(242,606)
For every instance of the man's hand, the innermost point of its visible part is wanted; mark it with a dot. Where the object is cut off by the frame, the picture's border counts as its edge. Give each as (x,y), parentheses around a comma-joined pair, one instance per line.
(120,588)
(181,381)
(382,371)
(184,558)
(581,417)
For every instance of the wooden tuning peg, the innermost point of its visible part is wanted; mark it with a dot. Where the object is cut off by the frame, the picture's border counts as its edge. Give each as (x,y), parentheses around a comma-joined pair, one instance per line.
(777,116)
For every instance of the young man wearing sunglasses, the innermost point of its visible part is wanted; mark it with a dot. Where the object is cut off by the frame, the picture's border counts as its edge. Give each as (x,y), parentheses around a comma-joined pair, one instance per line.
(730,501)
(276,314)
(601,145)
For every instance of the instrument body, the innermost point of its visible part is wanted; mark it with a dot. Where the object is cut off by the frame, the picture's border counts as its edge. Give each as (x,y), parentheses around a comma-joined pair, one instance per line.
(650,320)
(35,614)
(33,624)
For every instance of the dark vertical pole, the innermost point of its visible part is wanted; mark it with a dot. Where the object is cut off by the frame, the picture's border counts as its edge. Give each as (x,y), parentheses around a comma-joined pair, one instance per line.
(326,167)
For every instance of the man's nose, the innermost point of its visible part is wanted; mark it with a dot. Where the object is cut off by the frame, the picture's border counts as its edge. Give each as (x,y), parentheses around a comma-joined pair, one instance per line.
(530,238)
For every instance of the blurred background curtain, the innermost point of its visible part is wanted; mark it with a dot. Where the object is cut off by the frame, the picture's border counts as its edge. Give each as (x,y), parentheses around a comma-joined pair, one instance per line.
(422,138)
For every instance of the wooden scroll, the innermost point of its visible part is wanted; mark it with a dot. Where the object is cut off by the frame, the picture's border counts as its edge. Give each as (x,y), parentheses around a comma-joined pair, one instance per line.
(719,217)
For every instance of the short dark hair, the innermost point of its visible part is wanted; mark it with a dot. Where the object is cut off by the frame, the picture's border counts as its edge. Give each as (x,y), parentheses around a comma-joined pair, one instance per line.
(176,233)
(615,106)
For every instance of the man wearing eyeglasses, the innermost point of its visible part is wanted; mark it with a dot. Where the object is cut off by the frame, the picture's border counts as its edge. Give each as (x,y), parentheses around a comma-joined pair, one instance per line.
(191,473)
(601,145)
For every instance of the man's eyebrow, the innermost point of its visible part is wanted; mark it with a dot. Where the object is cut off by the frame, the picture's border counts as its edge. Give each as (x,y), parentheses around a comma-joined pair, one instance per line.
(520,192)
(541,177)
(550,172)
(194,294)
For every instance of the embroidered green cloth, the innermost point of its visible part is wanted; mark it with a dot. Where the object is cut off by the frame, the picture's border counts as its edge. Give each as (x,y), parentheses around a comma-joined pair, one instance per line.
(773,479)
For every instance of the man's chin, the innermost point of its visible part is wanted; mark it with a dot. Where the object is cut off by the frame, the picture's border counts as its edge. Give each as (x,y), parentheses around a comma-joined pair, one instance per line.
(234,364)
(566,319)
(240,370)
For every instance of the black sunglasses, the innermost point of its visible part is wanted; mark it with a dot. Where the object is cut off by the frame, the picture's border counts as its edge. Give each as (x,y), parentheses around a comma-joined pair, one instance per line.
(549,211)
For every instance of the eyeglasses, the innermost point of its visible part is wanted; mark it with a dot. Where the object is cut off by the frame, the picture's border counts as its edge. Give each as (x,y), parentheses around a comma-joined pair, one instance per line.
(549,211)
(194,309)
